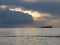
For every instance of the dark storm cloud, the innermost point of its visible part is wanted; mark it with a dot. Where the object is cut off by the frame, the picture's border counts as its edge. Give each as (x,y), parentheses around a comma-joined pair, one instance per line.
(8,18)
(45,7)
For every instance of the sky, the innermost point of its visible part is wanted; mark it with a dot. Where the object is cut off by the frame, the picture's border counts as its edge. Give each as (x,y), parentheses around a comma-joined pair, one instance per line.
(32,12)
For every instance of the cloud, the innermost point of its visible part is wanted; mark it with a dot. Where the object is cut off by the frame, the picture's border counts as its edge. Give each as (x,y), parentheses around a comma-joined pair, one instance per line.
(35,14)
(51,8)
(19,2)
(55,23)
(40,0)
(45,7)
(49,21)
(10,18)
(9,2)
(29,0)
(41,18)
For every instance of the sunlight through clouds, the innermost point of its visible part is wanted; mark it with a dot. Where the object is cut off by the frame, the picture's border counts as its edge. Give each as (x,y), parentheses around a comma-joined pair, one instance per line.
(3,6)
(40,18)
(35,14)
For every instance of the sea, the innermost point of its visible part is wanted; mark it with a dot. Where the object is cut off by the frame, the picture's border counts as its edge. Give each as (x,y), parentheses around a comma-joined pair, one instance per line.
(29,36)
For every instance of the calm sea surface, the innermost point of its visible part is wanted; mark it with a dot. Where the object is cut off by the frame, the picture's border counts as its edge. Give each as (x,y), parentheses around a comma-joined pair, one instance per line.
(17,36)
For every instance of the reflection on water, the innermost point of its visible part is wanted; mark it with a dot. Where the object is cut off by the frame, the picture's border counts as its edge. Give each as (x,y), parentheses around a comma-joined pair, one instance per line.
(29,37)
